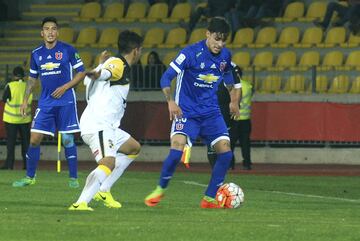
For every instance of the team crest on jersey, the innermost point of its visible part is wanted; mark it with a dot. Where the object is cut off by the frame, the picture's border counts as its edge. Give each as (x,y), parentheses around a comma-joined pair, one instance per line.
(179,126)
(222,66)
(58,55)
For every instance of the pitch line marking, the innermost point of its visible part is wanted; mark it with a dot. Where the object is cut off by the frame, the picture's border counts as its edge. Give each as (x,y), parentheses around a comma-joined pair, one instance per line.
(287,193)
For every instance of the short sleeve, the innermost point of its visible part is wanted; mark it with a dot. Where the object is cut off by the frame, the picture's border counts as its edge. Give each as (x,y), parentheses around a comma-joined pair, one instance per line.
(34,70)
(75,60)
(181,61)
(116,68)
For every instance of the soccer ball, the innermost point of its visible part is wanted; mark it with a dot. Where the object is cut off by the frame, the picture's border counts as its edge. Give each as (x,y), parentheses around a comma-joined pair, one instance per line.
(230,195)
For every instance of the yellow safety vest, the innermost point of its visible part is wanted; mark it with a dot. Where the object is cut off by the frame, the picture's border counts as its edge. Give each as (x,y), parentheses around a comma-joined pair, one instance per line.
(12,113)
(246,99)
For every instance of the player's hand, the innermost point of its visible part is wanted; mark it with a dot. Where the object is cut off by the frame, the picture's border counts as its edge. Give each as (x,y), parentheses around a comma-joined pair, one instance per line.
(23,108)
(174,110)
(59,92)
(104,56)
(234,110)
(93,74)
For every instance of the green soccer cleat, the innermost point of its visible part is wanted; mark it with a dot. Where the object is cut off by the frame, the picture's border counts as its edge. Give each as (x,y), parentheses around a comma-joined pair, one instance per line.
(209,202)
(26,181)
(73,183)
(108,199)
(155,197)
(80,207)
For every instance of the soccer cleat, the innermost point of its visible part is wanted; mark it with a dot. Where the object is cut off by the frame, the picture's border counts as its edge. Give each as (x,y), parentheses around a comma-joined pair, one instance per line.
(208,202)
(108,199)
(155,197)
(80,207)
(26,181)
(73,182)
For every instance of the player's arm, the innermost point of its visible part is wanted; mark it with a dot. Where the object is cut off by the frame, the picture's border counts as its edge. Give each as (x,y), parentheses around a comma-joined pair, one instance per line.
(30,84)
(232,80)
(165,83)
(62,89)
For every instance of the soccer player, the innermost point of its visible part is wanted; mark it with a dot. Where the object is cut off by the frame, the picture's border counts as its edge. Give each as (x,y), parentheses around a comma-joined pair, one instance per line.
(195,111)
(53,63)
(113,149)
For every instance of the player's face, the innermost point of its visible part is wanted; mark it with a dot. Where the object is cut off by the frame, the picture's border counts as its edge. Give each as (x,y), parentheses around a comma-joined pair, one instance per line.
(215,41)
(137,54)
(49,32)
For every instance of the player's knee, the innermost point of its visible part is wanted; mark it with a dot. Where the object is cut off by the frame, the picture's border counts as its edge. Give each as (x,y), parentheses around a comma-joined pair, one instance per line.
(68,140)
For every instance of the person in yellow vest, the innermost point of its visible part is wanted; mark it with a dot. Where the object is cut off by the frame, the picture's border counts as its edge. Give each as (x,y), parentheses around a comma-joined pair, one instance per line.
(14,121)
(241,126)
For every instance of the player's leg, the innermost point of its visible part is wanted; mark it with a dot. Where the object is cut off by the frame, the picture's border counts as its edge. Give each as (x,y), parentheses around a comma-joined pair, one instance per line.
(127,152)
(68,142)
(25,141)
(43,123)
(245,131)
(104,151)
(11,133)
(68,124)
(234,133)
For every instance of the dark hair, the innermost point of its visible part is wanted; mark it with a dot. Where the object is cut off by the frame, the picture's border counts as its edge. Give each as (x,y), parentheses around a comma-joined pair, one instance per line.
(49,19)
(219,25)
(128,41)
(18,72)
(156,56)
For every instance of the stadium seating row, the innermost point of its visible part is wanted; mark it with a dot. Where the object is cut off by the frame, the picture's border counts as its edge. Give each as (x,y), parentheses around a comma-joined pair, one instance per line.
(176,37)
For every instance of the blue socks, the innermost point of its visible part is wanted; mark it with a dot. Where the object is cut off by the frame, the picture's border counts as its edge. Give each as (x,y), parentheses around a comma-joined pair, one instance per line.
(71,157)
(218,173)
(169,167)
(32,160)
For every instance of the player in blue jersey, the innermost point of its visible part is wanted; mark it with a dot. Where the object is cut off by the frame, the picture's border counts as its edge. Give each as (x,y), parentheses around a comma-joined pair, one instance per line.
(194,109)
(53,63)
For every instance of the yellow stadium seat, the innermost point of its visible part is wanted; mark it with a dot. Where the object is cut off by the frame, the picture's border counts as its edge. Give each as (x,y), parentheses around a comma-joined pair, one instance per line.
(175,37)
(242,38)
(113,12)
(196,35)
(157,12)
(355,87)
(181,12)
(108,37)
(295,84)
(144,58)
(86,58)
(153,37)
(316,10)
(331,60)
(89,11)
(353,42)
(263,60)
(339,85)
(169,56)
(307,60)
(242,59)
(265,36)
(135,12)
(352,62)
(288,36)
(271,84)
(335,36)
(311,37)
(293,11)
(137,30)
(97,57)
(321,85)
(285,60)
(87,36)
(66,35)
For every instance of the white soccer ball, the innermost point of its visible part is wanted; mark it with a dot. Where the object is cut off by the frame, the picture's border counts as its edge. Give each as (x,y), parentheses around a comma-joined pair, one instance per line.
(230,195)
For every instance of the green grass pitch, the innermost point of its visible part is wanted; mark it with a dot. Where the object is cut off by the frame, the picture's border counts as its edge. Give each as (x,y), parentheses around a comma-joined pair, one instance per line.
(275,208)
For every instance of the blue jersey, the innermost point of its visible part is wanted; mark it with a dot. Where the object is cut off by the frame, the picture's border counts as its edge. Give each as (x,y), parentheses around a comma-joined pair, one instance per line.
(55,67)
(199,74)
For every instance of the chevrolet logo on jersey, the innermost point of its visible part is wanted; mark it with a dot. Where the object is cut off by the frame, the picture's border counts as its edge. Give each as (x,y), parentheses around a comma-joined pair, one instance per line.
(208,78)
(50,66)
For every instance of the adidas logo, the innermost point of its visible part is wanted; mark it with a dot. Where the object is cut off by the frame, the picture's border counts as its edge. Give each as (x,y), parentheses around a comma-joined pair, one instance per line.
(213,66)
(48,57)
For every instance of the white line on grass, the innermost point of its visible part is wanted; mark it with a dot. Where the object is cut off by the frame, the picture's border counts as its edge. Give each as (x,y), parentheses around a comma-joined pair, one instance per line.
(287,193)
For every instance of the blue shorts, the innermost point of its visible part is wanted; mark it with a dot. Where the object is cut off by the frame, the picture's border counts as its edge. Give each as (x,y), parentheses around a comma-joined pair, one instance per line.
(211,128)
(49,119)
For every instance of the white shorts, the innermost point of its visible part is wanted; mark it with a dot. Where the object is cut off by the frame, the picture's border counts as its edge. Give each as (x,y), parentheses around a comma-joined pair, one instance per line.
(105,143)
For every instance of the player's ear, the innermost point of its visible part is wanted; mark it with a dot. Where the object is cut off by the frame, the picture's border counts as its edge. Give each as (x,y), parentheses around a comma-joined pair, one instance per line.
(42,33)
(208,34)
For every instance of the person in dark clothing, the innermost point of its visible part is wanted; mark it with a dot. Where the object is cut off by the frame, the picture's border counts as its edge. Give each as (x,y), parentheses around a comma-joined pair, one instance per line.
(213,8)
(153,71)
(344,12)
(14,122)
(137,76)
